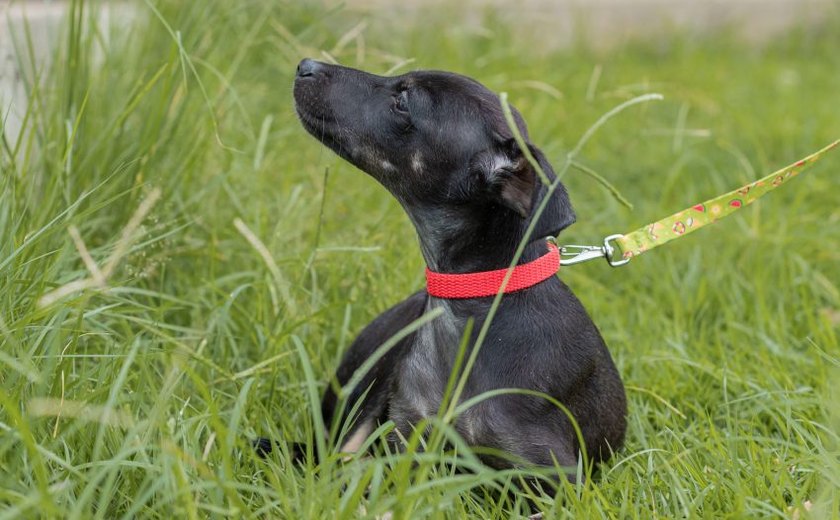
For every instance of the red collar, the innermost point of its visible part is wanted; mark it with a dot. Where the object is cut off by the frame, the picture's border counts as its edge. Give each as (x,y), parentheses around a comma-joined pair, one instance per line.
(487,283)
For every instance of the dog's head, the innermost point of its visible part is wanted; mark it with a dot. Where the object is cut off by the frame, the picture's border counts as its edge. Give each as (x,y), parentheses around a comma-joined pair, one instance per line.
(437,141)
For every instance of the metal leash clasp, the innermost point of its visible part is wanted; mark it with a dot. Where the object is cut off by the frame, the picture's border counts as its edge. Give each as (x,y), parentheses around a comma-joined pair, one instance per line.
(575,254)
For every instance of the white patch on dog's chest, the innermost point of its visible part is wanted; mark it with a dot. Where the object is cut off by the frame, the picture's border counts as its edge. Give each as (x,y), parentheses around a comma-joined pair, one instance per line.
(422,389)
(429,363)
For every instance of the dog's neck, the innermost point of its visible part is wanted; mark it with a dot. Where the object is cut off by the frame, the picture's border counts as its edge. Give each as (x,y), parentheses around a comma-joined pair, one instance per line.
(453,242)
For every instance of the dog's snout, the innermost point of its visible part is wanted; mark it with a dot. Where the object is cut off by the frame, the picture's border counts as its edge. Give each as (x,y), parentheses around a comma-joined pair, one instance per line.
(307,68)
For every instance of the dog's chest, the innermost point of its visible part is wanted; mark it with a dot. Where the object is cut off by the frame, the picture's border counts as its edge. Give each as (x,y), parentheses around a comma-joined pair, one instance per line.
(427,367)
(426,370)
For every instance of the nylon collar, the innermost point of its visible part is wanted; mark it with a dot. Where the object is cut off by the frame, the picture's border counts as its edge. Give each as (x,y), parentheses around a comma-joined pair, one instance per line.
(488,283)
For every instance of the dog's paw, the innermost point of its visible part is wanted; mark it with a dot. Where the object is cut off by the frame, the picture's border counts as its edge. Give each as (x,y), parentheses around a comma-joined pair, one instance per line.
(263,446)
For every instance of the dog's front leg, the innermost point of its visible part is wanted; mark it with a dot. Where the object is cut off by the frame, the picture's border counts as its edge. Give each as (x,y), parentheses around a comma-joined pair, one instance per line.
(374,389)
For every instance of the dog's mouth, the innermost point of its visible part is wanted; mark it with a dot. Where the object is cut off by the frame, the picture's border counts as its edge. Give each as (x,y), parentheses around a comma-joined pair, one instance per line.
(326,128)
(322,124)
(315,123)
(311,106)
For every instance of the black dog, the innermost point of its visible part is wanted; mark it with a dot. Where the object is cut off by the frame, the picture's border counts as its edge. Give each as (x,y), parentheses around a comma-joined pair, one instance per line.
(440,144)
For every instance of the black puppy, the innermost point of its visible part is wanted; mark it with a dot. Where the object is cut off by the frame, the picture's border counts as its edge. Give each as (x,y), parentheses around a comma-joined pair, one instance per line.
(440,144)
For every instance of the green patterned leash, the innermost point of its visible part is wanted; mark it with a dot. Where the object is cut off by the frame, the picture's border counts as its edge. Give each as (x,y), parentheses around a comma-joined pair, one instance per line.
(619,249)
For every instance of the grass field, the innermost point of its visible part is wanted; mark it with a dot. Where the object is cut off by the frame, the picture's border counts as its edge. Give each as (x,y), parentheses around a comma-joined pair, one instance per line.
(179,273)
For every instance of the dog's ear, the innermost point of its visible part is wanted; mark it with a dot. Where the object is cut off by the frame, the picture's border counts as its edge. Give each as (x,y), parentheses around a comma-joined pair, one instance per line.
(558,213)
(509,177)
(512,182)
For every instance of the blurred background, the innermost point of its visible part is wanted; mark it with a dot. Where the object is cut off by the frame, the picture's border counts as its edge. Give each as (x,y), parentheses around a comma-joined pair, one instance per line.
(543,25)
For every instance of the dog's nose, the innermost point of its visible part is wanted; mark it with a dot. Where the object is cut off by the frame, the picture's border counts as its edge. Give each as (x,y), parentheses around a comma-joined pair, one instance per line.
(307,68)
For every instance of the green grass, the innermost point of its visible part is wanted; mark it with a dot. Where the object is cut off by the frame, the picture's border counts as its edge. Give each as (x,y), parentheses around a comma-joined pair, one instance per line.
(217,316)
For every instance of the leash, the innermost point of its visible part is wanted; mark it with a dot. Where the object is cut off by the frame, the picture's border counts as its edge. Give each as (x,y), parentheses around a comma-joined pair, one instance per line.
(617,249)
(621,248)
